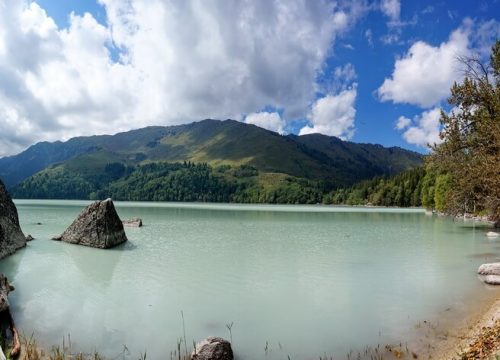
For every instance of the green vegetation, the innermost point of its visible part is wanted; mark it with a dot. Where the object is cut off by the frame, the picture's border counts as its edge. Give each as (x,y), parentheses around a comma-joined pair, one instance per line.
(403,190)
(467,162)
(171,182)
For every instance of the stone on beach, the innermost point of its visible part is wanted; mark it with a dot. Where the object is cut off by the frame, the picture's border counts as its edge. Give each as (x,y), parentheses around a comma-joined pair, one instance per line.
(489,269)
(98,225)
(213,348)
(492,279)
(11,236)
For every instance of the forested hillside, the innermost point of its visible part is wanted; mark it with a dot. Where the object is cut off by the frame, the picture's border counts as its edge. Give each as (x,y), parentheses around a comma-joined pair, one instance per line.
(89,167)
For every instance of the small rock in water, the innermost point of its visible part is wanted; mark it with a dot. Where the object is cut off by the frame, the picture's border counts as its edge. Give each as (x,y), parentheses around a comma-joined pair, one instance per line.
(492,279)
(492,234)
(57,238)
(213,348)
(135,222)
(29,237)
(489,269)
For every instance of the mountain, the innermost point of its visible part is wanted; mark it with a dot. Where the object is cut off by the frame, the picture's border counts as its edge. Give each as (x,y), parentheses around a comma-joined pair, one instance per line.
(100,160)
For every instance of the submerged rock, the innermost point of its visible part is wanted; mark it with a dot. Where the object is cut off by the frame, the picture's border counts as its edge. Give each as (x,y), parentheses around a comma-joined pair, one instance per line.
(489,269)
(213,348)
(135,222)
(98,225)
(11,236)
(492,234)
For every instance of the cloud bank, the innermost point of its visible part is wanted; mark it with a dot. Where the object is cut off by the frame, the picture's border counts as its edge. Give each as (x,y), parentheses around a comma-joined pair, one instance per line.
(159,63)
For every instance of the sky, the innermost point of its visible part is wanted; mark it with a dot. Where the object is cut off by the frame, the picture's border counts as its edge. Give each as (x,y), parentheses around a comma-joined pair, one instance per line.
(365,71)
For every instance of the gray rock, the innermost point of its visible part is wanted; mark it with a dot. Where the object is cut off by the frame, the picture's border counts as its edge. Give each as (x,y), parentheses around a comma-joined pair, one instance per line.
(98,225)
(5,289)
(489,269)
(135,222)
(213,348)
(11,236)
(492,279)
(29,237)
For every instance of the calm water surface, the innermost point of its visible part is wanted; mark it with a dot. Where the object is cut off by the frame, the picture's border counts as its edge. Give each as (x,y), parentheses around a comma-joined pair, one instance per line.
(306,280)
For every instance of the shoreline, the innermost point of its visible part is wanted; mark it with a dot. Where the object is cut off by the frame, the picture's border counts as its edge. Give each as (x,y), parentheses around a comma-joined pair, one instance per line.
(471,333)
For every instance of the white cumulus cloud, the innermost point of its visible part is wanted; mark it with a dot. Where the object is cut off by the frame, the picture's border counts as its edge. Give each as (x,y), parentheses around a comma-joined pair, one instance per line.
(423,130)
(267,120)
(159,63)
(333,115)
(424,75)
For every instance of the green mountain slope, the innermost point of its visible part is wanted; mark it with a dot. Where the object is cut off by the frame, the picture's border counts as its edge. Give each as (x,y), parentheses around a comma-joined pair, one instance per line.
(97,161)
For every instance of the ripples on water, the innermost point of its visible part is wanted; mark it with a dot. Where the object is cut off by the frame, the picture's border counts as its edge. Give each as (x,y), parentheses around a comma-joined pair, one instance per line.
(308,280)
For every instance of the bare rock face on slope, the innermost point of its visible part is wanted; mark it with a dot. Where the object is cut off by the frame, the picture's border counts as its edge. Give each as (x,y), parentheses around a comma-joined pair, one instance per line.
(11,236)
(98,225)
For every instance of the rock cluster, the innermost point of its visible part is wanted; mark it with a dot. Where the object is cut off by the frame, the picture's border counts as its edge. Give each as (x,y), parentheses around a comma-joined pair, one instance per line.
(11,236)
(98,225)
(491,273)
(213,348)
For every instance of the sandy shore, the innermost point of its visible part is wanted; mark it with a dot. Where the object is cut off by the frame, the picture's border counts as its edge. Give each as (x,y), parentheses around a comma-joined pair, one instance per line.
(476,338)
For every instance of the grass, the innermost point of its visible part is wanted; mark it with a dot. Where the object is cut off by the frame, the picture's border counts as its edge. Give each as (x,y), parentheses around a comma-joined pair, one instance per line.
(484,347)
(32,351)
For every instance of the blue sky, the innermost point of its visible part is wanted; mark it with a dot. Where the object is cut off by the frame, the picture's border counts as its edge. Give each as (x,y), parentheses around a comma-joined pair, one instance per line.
(352,69)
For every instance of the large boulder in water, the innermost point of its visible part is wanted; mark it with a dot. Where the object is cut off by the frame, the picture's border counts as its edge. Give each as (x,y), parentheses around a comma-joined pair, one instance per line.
(11,236)
(213,348)
(98,225)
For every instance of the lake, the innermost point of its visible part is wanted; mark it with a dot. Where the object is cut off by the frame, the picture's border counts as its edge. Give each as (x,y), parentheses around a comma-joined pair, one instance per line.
(302,281)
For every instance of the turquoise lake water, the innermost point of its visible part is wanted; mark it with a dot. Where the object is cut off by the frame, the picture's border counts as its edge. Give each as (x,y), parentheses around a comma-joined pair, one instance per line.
(298,281)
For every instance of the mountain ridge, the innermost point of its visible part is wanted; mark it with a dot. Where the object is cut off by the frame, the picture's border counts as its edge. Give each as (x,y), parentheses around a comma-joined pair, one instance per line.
(218,143)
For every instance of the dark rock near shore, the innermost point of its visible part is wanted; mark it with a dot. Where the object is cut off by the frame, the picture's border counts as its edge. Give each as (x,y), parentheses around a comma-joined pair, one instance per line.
(11,235)
(29,237)
(98,225)
(213,348)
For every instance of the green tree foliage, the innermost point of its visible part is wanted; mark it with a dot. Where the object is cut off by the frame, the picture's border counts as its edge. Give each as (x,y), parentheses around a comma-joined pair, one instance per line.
(171,182)
(402,190)
(470,152)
